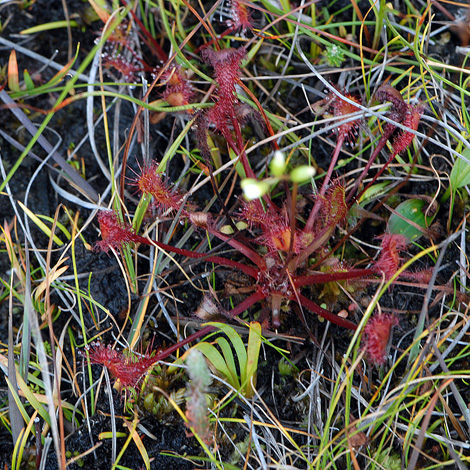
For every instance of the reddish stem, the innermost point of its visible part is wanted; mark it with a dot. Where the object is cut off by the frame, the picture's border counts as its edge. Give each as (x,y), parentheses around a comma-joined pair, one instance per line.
(313,307)
(248,252)
(322,278)
(311,219)
(249,270)
(383,140)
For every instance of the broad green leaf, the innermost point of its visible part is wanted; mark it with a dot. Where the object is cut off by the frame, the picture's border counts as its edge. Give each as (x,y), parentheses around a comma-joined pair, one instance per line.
(229,360)
(254,345)
(237,342)
(460,174)
(216,359)
(409,217)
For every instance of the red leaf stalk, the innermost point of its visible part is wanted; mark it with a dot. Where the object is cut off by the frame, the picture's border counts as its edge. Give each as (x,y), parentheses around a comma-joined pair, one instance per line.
(115,234)
(400,112)
(345,132)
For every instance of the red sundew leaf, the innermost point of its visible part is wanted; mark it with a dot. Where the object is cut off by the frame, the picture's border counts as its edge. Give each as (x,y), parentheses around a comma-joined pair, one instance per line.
(343,108)
(376,337)
(127,369)
(404,139)
(255,215)
(387,93)
(333,208)
(153,183)
(179,91)
(226,64)
(240,16)
(422,276)
(114,233)
(389,260)
(127,68)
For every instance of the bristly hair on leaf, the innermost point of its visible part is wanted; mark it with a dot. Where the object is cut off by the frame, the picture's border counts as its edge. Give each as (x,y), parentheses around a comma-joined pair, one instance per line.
(127,369)
(377,336)
(404,138)
(114,233)
(341,107)
(401,112)
(333,209)
(240,16)
(254,213)
(226,64)
(389,260)
(150,181)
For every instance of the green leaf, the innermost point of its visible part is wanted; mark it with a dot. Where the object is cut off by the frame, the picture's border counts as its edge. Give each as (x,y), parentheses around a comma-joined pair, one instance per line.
(237,342)
(460,174)
(33,400)
(216,359)
(374,192)
(18,401)
(409,219)
(60,226)
(229,360)
(41,225)
(254,345)
(49,26)
(28,80)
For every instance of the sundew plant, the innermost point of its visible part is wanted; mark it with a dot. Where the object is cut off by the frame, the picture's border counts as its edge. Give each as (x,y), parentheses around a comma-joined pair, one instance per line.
(234,234)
